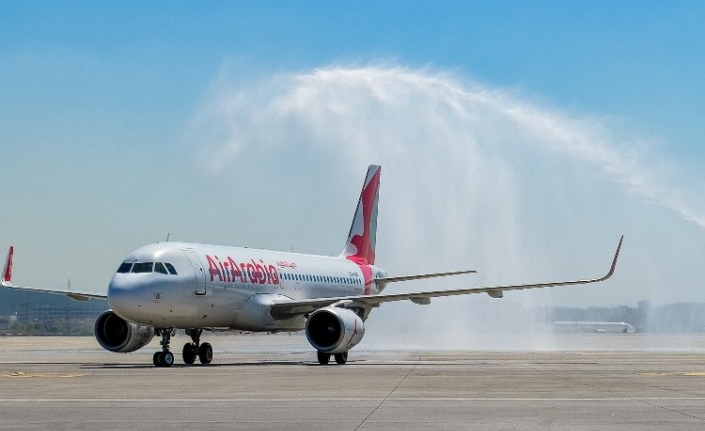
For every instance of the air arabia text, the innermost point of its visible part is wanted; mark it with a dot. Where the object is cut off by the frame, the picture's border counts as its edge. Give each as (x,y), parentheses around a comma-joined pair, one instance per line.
(230,271)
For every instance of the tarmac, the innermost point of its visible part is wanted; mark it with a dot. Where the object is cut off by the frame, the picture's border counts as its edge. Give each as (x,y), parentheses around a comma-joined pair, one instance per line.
(275,383)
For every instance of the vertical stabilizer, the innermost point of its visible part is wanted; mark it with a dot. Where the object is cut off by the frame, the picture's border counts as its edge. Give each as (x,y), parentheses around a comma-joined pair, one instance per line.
(360,246)
(7,270)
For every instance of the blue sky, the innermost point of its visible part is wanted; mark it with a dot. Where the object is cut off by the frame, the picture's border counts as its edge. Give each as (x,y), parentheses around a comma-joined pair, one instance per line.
(102,110)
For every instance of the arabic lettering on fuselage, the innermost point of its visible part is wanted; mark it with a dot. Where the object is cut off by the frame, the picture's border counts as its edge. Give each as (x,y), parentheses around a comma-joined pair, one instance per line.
(228,270)
(285,264)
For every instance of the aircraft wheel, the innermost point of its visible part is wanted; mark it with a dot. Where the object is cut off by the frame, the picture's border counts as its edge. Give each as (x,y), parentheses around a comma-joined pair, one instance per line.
(163,359)
(341,358)
(167,359)
(323,358)
(189,354)
(205,353)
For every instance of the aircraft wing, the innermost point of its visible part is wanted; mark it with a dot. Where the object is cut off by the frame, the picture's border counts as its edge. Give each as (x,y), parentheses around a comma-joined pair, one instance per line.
(73,294)
(286,309)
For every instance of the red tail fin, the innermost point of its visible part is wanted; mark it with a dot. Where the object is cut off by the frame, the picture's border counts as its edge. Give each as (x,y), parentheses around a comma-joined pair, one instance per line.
(7,271)
(362,238)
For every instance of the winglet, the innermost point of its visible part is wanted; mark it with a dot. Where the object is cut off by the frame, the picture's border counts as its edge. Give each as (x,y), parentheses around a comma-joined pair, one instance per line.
(614,261)
(7,271)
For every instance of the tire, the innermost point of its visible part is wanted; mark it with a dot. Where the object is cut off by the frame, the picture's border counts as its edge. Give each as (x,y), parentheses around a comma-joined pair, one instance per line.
(323,358)
(167,359)
(205,353)
(341,358)
(157,359)
(189,354)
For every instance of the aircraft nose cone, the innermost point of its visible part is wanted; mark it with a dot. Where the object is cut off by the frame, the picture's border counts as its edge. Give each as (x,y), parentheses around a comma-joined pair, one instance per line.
(124,298)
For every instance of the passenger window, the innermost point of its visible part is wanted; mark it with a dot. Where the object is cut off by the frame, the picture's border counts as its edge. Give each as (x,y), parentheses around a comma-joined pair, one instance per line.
(170,268)
(124,268)
(159,267)
(142,267)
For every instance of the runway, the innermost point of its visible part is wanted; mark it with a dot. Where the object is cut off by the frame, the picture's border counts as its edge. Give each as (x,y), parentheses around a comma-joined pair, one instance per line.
(274,383)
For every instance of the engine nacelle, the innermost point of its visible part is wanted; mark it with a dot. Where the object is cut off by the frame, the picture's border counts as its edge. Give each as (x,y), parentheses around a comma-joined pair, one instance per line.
(334,330)
(118,335)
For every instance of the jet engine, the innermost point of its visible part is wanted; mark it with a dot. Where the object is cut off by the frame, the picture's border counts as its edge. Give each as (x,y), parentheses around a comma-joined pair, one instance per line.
(334,330)
(118,335)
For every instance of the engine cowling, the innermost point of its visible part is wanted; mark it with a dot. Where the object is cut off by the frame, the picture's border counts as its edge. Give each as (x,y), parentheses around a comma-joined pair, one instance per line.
(115,334)
(334,330)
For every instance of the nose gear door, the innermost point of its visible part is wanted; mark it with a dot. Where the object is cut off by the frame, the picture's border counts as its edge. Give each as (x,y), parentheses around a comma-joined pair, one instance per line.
(198,271)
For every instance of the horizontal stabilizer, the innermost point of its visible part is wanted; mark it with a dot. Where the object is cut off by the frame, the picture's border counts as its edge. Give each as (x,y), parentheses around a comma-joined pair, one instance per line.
(386,280)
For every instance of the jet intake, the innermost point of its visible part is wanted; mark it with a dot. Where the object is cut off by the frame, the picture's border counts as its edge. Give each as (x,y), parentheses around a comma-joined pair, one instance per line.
(334,330)
(496,293)
(115,334)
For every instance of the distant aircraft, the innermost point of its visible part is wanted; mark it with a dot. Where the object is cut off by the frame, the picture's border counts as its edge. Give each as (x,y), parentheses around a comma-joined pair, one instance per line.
(162,287)
(595,327)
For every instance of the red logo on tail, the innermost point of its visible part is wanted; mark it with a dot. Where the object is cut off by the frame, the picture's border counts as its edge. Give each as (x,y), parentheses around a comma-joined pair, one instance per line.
(7,273)
(363,232)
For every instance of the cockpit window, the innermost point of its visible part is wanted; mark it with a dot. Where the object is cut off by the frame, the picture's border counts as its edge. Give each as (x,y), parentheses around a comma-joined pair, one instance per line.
(171,268)
(141,267)
(124,268)
(159,267)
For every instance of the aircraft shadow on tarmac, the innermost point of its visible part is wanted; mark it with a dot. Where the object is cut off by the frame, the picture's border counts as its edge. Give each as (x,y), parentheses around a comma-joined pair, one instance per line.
(221,365)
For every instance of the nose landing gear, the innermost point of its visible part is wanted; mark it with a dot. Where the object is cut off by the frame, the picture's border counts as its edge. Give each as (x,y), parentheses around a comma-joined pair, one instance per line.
(164,358)
(340,358)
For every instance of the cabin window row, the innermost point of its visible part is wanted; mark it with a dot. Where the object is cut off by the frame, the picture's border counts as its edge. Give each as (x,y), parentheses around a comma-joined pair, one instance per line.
(145,267)
(321,279)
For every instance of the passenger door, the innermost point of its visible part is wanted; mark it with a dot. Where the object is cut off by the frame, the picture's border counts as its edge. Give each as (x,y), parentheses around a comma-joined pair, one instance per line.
(198,271)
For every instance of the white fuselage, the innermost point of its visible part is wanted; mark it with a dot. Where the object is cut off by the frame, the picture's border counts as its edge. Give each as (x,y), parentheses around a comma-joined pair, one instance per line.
(223,287)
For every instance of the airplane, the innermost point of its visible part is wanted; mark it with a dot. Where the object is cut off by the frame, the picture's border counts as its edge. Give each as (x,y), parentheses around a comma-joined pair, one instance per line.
(593,327)
(166,286)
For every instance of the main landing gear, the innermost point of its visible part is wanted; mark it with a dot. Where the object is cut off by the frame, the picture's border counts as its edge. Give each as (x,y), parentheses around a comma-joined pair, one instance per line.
(191,351)
(195,349)
(340,358)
